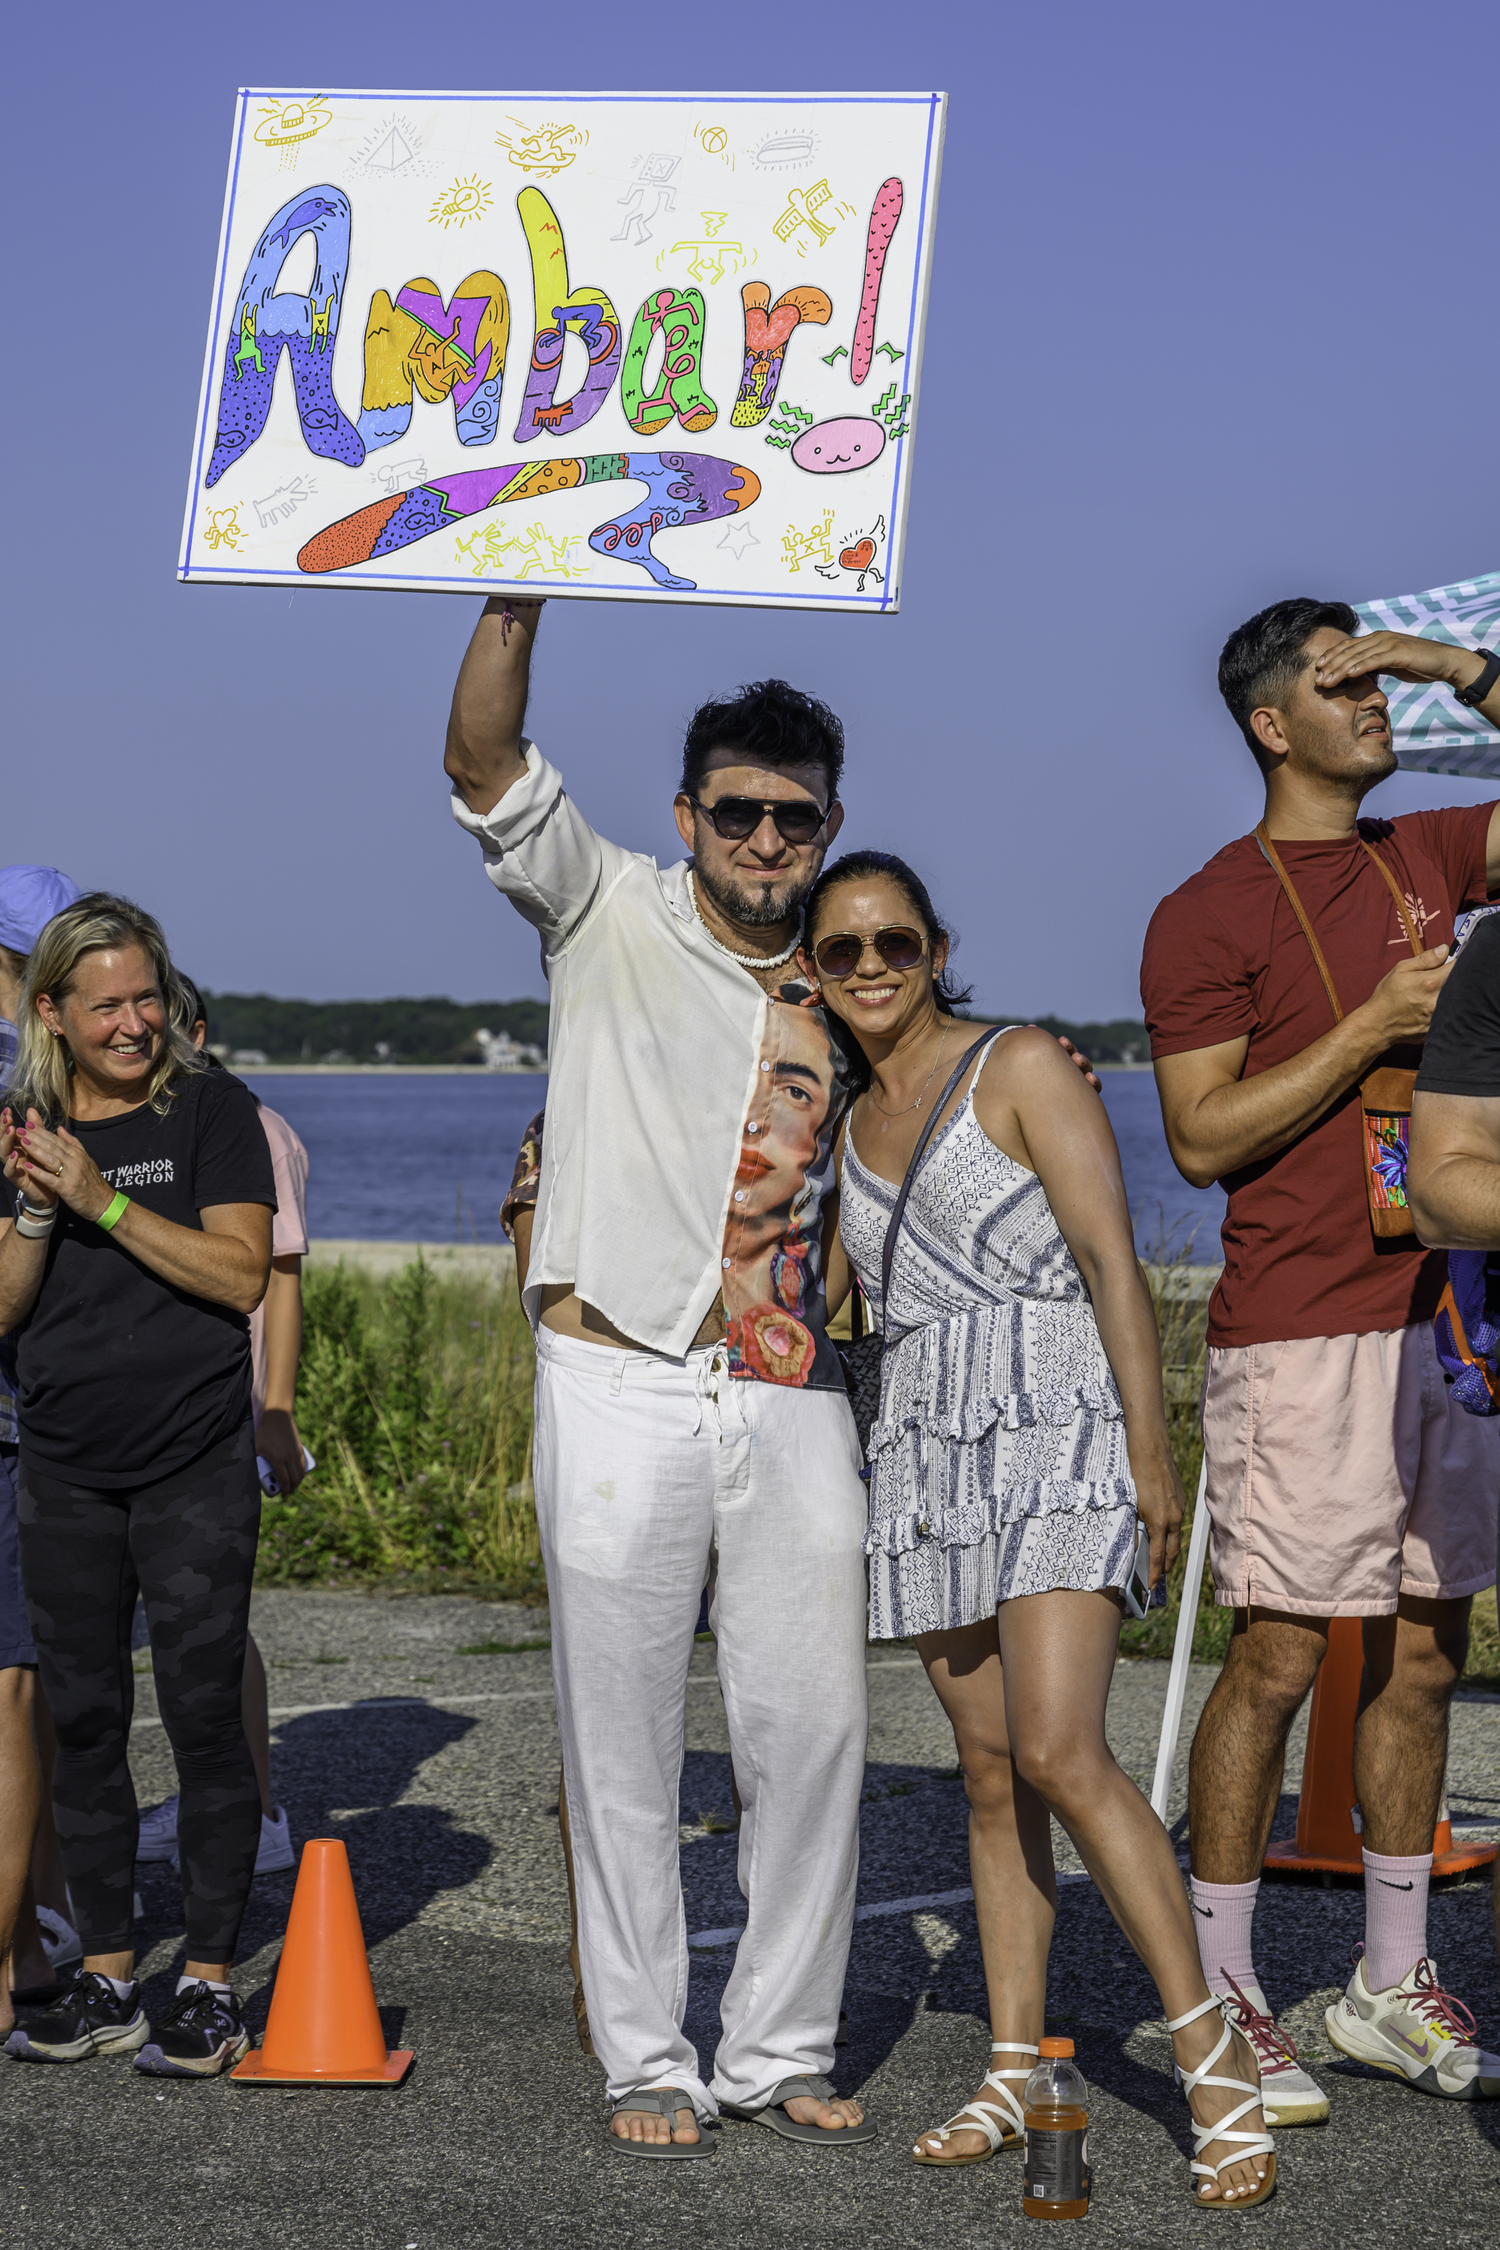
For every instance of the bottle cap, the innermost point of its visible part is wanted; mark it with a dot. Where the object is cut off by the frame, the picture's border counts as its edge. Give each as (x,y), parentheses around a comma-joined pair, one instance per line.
(1051,2047)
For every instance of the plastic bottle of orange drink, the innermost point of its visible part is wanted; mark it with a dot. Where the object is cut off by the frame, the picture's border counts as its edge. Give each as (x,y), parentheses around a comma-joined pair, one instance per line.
(1057,2136)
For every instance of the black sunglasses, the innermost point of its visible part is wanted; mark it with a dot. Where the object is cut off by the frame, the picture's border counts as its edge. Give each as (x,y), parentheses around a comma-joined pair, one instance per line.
(797,819)
(898,947)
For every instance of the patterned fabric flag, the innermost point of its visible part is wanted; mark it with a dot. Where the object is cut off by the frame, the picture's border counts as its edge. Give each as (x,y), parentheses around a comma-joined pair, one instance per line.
(1433,733)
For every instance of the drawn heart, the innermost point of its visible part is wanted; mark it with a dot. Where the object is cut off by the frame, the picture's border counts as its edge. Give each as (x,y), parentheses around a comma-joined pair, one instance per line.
(860,557)
(763,335)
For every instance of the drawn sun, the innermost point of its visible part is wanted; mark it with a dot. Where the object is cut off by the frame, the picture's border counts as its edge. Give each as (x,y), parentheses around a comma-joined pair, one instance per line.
(465,200)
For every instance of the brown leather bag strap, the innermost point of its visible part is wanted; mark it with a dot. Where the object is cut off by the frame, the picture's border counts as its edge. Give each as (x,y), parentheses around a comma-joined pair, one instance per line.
(1394,888)
(1270,852)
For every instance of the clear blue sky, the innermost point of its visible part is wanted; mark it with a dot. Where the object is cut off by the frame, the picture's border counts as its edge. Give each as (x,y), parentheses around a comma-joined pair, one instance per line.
(1224,268)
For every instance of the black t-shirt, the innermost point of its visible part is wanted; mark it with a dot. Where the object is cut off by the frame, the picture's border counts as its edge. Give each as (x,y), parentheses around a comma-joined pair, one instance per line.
(1462,1054)
(123,1376)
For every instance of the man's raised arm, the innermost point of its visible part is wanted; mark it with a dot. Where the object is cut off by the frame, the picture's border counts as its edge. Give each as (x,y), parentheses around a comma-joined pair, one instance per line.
(483,754)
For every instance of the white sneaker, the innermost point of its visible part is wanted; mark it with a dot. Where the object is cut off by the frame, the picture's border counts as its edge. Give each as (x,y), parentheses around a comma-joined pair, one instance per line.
(60,1941)
(1416,2031)
(275,1851)
(158,1837)
(1289,2096)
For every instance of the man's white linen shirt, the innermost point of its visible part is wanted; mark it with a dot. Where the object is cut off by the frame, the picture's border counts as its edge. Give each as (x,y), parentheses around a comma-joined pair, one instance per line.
(656,1043)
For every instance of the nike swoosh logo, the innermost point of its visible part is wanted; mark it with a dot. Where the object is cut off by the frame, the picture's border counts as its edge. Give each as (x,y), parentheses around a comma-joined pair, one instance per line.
(1206,1911)
(1385,1886)
(1415,2047)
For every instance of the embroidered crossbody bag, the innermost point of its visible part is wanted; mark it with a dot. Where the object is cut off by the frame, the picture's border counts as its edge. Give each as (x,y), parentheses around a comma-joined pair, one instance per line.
(1385,1095)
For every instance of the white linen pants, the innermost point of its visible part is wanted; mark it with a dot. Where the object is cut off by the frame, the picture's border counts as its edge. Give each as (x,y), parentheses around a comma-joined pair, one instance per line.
(648,1471)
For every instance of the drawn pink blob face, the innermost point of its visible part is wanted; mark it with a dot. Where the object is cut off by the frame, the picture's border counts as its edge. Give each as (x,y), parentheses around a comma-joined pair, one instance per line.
(831,449)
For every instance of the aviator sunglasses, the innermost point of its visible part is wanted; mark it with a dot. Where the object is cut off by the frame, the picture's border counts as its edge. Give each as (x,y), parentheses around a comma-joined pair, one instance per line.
(839,956)
(797,819)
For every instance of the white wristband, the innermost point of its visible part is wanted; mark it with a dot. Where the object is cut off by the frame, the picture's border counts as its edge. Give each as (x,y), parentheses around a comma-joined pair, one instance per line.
(34,1224)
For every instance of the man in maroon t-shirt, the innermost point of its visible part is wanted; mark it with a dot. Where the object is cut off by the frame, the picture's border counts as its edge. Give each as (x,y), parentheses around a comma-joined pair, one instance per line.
(1341,1483)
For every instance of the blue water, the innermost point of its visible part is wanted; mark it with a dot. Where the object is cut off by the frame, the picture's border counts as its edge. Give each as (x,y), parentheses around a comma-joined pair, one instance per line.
(419,1159)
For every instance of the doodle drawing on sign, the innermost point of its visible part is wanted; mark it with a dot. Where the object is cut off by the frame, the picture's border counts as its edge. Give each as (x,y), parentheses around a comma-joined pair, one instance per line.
(286,125)
(786,152)
(588,313)
(860,558)
(714,141)
(832,449)
(465,200)
(676,315)
(802,208)
(497,541)
(454,350)
(681,489)
(548,150)
(768,330)
(303,326)
(884,213)
(653,177)
(284,502)
(806,546)
(392,150)
(787,424)
(392,475)
(712,257)
(224,529)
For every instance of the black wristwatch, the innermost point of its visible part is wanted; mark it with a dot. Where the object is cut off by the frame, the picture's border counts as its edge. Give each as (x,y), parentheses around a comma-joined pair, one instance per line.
(1477,690)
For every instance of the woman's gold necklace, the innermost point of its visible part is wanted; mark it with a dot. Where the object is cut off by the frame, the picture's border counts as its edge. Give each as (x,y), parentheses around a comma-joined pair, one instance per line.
(927,1081)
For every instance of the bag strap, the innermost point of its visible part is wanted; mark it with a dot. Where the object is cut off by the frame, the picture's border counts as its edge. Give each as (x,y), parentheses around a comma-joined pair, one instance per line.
(1270,853)
(887,1256)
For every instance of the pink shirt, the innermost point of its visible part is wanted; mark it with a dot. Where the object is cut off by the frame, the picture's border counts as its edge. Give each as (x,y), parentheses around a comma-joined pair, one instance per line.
(288,1228)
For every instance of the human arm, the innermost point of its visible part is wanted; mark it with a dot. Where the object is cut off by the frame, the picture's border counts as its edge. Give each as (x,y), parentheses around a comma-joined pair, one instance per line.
(228,1262)
(1038,1110)
(1217,1121)
(23,1258)
(1414,658)
(1453,1171)
(276,1434)
(483,755)
(838,1275)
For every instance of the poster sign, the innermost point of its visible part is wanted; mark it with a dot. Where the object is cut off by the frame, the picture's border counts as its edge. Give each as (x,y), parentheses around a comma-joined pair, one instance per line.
(1432,733)
(640,347)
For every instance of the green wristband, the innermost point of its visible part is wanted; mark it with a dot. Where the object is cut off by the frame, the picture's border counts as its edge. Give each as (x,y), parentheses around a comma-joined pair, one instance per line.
(114,1211)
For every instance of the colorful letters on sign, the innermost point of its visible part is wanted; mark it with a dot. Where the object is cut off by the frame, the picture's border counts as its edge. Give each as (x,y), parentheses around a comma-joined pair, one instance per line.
(706,240)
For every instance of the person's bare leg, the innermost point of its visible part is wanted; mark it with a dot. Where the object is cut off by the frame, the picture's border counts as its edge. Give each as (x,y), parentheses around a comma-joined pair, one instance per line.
(1058,1653)
(49,1884)
(1235,1767)
(22,1961)
(255,1712)
(1413,1663)
(1010,1850)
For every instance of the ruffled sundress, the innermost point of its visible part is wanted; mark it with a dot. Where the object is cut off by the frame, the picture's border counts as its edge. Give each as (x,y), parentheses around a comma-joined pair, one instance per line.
(998,1462)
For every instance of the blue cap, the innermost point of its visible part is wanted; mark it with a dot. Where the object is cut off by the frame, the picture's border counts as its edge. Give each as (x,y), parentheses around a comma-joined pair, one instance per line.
(29,897)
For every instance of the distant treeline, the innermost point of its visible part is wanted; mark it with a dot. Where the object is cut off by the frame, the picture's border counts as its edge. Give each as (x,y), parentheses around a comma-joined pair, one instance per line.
(368,1031)
(1122,1041)
(443,1031)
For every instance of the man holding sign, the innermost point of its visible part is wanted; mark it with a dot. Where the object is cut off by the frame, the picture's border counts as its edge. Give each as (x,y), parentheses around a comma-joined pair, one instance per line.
(691,1421)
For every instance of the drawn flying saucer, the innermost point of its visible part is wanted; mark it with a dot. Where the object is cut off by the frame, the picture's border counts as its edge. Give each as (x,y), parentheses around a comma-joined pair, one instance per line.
(283,124)
(783,152)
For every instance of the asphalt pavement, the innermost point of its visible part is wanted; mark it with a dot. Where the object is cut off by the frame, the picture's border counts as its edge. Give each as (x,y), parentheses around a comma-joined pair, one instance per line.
(438,1768)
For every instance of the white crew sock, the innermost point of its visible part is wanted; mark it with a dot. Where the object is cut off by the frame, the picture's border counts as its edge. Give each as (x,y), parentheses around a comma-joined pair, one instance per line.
(1222,1914)
(221,1989)
(122,1987)
(1395,1916)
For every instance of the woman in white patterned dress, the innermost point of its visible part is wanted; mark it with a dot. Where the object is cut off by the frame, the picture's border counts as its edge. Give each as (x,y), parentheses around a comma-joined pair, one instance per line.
(1021,1437)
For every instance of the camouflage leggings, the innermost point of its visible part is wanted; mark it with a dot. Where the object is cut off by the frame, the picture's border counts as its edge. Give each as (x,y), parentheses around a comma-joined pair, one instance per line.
(187,1543)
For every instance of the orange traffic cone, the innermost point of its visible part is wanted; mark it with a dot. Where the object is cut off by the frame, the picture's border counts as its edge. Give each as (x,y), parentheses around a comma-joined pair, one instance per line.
(1327,1841)
(323,2028)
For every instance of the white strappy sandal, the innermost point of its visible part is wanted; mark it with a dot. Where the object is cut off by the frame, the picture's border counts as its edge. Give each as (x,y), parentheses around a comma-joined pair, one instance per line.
(1254,2144)
(1002,2121)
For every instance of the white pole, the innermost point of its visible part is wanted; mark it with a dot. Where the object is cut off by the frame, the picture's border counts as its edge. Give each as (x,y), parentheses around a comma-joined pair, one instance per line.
(1187,1618)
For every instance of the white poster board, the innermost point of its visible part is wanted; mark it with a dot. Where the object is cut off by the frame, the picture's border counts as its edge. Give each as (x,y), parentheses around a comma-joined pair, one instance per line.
(641,347)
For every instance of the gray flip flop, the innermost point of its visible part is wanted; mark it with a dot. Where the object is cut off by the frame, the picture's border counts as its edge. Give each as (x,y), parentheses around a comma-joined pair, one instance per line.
(772,2112)
(659,2101)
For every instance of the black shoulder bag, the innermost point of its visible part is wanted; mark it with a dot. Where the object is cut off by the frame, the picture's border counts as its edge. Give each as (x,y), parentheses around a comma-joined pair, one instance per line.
(863,1354)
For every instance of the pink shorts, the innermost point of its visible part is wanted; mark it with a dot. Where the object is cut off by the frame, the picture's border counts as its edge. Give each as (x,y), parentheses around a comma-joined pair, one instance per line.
(1340,1473)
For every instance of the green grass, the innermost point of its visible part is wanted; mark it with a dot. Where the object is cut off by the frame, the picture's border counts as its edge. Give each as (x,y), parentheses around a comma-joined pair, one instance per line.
(415,1397)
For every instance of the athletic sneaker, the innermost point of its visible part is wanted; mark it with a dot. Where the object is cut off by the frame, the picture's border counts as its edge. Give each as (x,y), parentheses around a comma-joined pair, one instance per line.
(1289,2096)
(201,2034)
(276,1850)
(158,1837)
(88,2020)
(60,1941)
(1416,2031)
